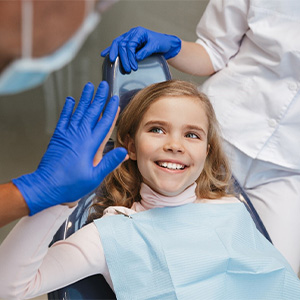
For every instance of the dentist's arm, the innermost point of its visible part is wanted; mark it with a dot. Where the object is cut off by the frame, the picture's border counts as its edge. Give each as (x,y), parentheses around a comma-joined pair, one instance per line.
(72,165)
(12,204)
(192,59)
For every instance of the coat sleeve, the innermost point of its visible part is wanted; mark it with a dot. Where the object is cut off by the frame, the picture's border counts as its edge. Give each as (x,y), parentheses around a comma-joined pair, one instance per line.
(29,268)
(222,28)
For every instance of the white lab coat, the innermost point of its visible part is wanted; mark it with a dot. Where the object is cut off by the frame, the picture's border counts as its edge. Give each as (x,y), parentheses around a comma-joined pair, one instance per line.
(254,46)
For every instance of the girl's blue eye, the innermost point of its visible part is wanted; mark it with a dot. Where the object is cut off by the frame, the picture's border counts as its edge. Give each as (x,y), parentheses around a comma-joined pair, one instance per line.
(156,130)
(192,136)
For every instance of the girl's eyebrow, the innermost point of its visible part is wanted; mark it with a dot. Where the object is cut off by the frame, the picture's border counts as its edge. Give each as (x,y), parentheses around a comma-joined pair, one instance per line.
(163,123)
(156,122)
(197,128)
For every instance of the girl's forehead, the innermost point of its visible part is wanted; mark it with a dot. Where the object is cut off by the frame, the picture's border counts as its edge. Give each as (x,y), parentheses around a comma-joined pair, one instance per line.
(184,97)
(177,108)
(173,103)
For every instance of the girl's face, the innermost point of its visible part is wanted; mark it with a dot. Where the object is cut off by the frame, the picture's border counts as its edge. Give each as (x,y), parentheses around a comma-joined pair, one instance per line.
(170,145)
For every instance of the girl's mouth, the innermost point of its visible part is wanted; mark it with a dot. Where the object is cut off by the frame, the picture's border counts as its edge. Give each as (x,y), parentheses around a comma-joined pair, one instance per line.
(170,166)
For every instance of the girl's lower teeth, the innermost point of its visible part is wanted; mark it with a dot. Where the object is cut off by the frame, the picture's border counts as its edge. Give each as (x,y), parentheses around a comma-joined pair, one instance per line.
(170,168)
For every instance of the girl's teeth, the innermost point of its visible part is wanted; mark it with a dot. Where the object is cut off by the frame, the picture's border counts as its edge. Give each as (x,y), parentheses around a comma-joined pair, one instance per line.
(171,166)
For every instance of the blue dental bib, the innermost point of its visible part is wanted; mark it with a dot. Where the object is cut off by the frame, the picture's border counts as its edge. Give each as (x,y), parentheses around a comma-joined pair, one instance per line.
(194,251)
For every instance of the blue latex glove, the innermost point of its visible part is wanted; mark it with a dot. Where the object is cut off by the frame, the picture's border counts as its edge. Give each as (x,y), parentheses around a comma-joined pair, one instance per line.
(139,43)
(66,172)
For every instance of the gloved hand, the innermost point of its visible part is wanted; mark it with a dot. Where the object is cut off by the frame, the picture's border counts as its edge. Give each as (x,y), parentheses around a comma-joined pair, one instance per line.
(66,172)
(139,43)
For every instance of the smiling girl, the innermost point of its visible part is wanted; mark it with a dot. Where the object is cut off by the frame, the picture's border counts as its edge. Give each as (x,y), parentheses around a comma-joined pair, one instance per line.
(170,229)
(173,141)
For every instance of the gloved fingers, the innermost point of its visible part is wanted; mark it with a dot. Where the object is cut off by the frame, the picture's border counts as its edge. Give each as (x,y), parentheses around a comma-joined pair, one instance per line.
(125,46)
(114,51)
(105,51)
(66,114)
(119,48)
(125,61)
(109,162)
(131,53)
(84,103)
(94,110)
(114,47)
(146,51)
(134,40)
(126,56)
(138,39)
(103,127)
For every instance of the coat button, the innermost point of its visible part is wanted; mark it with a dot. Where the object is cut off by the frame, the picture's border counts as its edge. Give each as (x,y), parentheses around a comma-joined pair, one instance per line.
(293,86)
(272,123)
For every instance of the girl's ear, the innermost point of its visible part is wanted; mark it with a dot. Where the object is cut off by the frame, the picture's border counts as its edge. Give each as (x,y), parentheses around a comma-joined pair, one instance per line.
(131,148)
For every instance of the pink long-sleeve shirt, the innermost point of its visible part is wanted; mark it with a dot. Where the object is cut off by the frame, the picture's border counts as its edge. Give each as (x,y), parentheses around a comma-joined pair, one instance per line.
(29,268)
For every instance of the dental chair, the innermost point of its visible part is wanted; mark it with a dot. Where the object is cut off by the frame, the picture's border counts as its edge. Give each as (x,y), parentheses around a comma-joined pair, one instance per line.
(151,70)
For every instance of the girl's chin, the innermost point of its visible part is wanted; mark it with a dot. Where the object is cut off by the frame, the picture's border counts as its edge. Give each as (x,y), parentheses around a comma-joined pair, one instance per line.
(168,189)
(169,192)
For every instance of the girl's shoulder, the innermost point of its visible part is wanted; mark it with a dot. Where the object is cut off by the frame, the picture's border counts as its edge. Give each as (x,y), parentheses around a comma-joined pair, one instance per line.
(117,210)
(223,200)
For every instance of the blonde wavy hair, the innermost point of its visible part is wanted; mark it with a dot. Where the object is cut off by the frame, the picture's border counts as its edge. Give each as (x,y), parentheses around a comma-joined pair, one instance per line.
(122,186)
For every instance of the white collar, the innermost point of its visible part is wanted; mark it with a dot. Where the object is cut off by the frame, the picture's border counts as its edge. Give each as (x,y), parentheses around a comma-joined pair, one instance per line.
(151,199)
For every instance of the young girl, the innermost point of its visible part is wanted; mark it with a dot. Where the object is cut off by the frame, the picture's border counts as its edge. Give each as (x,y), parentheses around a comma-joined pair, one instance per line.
(174,233)
(212,172)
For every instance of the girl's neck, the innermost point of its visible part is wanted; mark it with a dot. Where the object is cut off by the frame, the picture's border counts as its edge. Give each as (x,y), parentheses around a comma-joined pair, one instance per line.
(151,199)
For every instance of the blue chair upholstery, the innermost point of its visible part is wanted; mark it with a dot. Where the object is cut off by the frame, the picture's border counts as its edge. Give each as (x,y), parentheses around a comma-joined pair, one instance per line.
(93,287)
(151,70)
(242,196)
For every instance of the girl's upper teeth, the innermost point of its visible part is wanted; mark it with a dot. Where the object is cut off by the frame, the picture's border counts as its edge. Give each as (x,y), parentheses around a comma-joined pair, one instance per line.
(171,166)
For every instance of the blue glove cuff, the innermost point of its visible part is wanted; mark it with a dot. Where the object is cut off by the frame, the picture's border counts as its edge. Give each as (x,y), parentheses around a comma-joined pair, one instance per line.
(175,46)
(25,185)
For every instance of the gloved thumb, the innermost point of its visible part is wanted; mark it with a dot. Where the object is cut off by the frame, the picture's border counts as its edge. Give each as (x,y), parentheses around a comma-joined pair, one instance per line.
(109,162)
(146,51)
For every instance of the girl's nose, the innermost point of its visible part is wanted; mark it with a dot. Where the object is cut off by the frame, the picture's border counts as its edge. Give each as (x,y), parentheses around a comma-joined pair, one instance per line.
(174,145)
